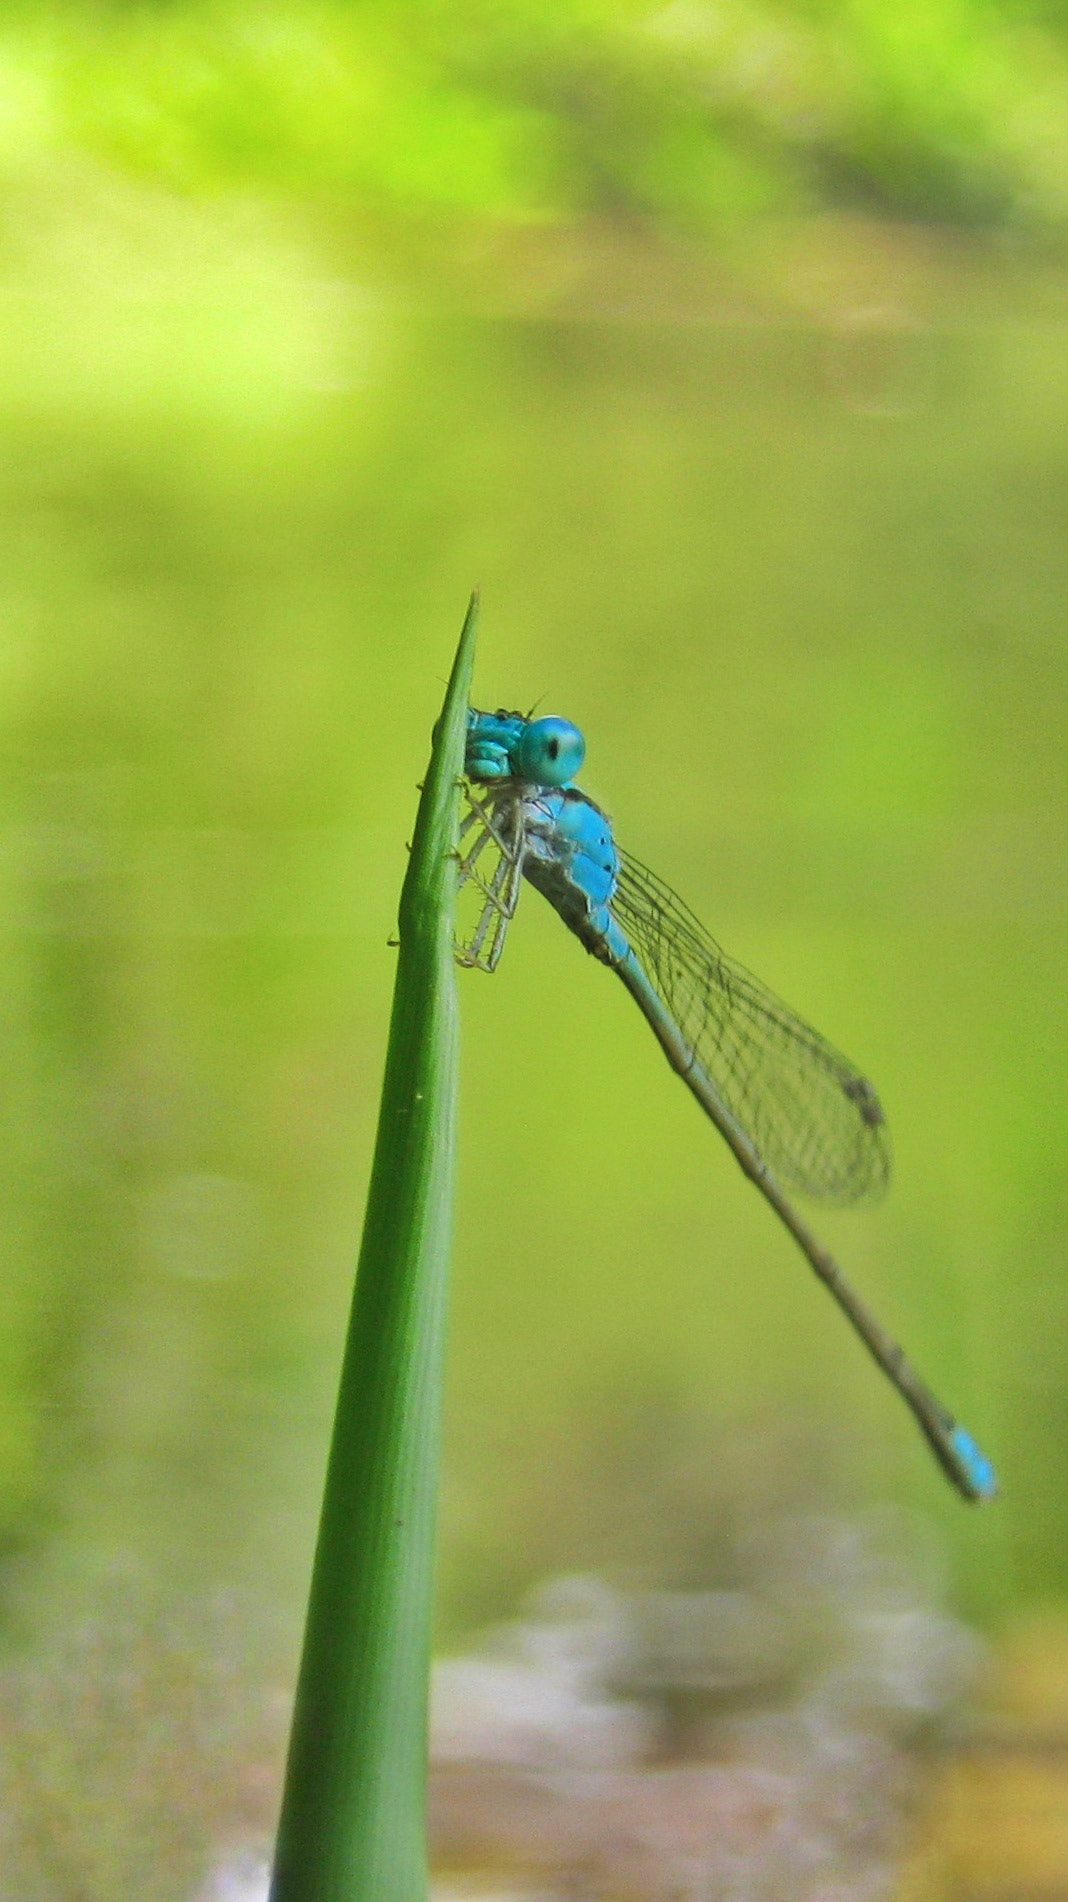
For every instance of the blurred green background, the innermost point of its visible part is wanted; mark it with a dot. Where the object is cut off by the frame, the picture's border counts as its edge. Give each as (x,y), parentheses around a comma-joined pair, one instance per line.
(726,348)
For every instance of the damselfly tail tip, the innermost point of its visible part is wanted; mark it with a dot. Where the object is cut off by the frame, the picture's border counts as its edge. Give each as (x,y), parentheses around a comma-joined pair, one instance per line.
(972,1470)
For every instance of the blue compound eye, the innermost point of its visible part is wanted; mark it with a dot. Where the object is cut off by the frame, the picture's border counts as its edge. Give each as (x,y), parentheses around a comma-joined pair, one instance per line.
(549,753)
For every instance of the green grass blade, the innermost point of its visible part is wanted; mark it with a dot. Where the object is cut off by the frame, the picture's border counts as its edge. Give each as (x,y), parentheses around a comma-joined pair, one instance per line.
(353,1824)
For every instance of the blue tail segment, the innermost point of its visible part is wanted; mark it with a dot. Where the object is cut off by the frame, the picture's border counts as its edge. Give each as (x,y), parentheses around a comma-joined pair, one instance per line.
(975,1475)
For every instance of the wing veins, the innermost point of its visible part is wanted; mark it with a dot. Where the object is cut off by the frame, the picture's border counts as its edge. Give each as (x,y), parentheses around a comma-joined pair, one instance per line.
(814,1117)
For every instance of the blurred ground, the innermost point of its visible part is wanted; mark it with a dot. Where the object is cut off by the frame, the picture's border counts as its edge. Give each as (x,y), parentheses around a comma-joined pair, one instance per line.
(824,1731)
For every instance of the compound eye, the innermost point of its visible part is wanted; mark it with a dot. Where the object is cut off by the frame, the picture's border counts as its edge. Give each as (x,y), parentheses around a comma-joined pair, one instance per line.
(550,752)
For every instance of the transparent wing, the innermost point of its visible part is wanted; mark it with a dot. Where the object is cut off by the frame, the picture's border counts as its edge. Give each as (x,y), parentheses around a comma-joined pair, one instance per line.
(816,1121)
(491,868)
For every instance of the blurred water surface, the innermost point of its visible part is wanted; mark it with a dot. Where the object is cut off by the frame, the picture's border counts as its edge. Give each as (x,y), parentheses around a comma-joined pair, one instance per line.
(796,563)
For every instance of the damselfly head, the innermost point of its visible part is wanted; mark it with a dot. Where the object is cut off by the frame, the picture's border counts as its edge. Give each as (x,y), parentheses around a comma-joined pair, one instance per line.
(550,752)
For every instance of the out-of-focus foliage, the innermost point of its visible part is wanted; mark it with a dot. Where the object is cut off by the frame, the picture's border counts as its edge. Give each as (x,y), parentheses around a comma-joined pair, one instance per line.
(699,112)
(803,587)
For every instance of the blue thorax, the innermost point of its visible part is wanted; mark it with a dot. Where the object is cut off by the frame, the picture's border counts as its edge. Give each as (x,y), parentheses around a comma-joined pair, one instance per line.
(570,854)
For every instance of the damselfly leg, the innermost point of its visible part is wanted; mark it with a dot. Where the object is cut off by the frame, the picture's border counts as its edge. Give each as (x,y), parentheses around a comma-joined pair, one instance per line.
(491,871)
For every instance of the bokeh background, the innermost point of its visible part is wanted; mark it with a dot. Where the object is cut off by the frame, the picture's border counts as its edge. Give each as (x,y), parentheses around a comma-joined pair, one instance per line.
(724,345)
